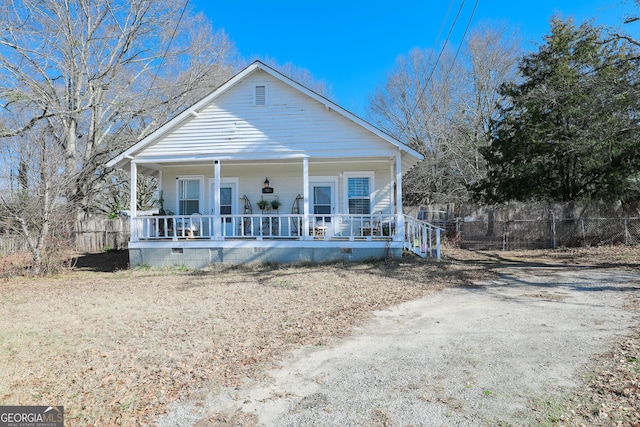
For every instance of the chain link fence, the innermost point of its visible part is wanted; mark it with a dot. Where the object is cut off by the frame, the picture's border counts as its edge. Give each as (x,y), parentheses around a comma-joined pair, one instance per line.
(544,234)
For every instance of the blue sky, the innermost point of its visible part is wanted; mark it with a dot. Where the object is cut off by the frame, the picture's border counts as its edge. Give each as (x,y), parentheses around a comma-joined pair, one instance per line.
(351,45)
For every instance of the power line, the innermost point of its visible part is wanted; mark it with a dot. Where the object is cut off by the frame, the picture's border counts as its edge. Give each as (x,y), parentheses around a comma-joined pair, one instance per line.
(455,57)
(166,51)
(424,88)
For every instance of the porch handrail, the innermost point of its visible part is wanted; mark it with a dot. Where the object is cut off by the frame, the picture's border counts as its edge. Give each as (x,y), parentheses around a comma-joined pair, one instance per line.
(421,237)
(266,225)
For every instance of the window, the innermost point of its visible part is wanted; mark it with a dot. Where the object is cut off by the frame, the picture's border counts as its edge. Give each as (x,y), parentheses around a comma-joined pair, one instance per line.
(322,201)
(260,96)
(359,195)
(189,195)
(226,202)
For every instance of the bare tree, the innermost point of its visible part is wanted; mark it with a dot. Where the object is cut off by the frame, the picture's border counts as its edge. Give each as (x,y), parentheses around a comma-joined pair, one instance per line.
(440,103)
(491,58)
(87,78)
(105,73)
(32,208)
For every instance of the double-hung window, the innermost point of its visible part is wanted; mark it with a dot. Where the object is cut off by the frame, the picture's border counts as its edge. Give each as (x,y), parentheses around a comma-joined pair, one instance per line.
(189,195)
(359,194)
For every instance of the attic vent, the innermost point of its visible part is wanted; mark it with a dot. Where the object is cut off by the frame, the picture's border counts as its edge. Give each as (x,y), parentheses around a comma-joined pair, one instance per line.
(261,95)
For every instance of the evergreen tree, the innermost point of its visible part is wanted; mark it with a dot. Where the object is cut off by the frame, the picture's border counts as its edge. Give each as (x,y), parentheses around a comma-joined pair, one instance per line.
(570,130)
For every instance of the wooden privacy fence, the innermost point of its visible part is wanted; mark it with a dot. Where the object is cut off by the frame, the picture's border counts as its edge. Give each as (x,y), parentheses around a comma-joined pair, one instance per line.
(90,236)
(97,235)
(11,245)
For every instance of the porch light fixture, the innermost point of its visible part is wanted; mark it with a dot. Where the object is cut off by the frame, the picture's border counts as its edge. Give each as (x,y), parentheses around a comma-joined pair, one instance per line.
(266,188)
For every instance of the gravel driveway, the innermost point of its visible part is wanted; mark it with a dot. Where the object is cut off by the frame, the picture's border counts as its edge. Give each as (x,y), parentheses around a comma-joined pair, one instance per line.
(467,356)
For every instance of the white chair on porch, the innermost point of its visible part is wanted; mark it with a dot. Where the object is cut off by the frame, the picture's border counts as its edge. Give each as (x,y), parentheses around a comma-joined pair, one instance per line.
(372,227)
(190,227)
(319,229)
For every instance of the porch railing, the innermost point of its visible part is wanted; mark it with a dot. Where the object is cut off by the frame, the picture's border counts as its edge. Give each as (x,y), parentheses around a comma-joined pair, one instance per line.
(274,226)
(421,237)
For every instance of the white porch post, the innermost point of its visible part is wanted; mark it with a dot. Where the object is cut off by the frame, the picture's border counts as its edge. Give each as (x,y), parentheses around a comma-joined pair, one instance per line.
(392,180)
(217,223)
(133,203)
(399,214)
(305,204)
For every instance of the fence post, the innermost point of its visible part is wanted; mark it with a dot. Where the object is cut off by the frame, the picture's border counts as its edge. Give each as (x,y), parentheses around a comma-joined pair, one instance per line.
(553,230)
(626,233)
(584,238)
(504,236)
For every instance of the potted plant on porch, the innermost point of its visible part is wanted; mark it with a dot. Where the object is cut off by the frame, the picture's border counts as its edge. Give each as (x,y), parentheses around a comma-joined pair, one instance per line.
(263,204)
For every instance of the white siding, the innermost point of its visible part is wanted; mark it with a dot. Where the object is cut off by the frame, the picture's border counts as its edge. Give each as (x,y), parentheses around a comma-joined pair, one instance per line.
(290,124)
(285,178)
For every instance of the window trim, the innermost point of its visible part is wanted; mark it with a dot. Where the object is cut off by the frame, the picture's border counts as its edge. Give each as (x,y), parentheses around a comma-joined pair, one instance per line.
(363,174)
(199,178)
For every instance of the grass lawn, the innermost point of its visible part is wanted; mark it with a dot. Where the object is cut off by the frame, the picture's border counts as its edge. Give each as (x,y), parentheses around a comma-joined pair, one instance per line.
(116,346)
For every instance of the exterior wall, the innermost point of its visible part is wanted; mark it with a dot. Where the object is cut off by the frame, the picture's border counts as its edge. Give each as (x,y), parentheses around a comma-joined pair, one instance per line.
(290,124)
(285,178)
(199,257)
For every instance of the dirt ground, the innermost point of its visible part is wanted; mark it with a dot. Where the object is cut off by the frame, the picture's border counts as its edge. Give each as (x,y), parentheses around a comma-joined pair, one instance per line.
(117,346)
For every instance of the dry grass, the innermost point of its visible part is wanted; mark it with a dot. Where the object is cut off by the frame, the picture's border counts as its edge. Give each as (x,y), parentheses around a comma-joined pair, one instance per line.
(612,396)
(115,347)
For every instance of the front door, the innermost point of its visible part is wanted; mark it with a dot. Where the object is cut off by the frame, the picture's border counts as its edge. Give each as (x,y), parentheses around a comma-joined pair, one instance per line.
(322,203)
(228,206)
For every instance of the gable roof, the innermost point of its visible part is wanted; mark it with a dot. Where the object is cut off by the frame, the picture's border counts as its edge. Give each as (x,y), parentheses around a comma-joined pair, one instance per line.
(122,159)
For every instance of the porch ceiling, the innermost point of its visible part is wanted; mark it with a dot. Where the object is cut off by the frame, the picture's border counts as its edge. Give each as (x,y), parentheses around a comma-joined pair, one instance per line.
(154,167)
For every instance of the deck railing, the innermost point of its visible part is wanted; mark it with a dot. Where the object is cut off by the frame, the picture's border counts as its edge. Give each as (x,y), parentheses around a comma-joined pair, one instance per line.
(419,237)
(261,226)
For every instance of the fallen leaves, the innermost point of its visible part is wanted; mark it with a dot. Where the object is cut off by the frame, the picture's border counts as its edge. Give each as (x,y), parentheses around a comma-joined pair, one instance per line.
(612,395)
(117,348)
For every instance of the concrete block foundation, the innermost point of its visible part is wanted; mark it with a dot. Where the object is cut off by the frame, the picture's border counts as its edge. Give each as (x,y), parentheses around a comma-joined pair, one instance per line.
(201,257)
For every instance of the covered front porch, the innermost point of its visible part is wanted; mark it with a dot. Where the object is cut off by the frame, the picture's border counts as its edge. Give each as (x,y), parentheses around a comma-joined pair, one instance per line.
(310,210)
(195,241)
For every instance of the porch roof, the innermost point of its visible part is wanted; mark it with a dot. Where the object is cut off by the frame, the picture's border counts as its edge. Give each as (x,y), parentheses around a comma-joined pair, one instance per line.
(151,165)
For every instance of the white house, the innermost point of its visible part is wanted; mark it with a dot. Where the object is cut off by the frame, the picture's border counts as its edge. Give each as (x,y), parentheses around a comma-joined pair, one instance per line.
(265,170)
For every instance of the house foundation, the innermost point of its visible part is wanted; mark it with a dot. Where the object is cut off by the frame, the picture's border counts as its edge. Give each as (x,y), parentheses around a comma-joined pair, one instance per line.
(201,257)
